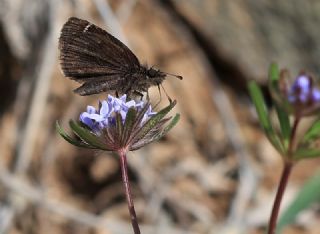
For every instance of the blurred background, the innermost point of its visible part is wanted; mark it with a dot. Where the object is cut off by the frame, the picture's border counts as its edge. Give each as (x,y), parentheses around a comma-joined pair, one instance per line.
(215,172)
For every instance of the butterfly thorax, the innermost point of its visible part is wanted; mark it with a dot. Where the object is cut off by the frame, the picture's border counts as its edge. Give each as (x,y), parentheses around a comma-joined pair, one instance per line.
(146,78)
(140,80)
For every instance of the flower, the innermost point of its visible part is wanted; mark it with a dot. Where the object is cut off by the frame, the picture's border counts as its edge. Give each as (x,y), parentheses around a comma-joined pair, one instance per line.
(301,98)
(302,91)
(120,125)
(97,120)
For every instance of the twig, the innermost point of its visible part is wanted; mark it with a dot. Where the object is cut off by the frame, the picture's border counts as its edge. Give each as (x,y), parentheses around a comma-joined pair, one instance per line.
(247,177)
(159,191)
(6,217)
(125,10)
(37,105)
(110,19)
(37,197)
(39,98)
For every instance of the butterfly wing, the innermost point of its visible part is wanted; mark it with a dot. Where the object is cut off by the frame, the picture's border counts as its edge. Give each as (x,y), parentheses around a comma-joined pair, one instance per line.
(92,56)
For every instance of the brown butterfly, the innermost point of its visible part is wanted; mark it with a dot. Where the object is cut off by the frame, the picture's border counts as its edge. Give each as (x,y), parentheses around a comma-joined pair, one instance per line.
(92,56)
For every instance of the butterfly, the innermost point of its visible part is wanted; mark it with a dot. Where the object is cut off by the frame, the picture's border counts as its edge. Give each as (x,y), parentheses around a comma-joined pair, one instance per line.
(102,63)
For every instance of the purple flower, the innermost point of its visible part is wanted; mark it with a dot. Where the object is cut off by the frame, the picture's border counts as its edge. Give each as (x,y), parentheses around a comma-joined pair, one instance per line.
(301,90)
(97,120)
(91,118)
(302,97)
(120,125)
(316,95)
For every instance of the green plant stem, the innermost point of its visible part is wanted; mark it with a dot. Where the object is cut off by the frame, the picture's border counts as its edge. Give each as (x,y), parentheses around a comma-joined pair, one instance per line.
(288,164)
(126,184)
(292,137)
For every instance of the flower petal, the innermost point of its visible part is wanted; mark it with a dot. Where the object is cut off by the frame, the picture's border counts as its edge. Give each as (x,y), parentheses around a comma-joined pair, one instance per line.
(91,110)
(123,98)
(316,95)
(105,109)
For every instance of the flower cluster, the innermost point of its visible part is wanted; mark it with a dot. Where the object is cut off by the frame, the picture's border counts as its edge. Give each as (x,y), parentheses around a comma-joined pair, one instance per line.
(299,98)
(303,92)
(302,97)
(292,103)
(97,120)
(120,125)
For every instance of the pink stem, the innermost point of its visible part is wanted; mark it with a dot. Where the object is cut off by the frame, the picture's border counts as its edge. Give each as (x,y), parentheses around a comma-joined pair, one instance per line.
(277,202)
(126,184)
(288,164)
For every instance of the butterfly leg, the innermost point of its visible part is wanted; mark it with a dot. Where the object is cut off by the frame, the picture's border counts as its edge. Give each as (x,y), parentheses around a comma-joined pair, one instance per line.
(169,99)
(159,96)
(148,97)
(138,94)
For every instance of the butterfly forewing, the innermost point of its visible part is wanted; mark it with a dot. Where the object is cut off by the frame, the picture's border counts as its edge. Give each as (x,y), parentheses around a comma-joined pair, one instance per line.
(91,55)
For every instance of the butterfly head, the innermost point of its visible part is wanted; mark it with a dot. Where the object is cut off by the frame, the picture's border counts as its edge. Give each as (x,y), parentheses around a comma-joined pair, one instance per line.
(155,76)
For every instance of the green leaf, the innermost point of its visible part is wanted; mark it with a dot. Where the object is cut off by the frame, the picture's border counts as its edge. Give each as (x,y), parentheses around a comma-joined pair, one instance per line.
(312,133)
(70,139)
(273,80)
(88,137)
(119,126)
(306,153)
(259,103)
(152,122)
(285,126)
(173,122)
(129,123)
(309,194)
(283,117)
(274,73)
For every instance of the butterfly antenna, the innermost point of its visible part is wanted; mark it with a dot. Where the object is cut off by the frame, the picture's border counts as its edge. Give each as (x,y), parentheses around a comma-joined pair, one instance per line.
(179,77)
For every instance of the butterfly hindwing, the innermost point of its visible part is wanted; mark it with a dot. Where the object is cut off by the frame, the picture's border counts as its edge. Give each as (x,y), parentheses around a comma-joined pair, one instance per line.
(99,85)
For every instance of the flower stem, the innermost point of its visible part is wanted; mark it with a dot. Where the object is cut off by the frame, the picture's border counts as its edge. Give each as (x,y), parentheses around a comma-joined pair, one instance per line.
(292,137)
(288,164)
(276,205)
(126,184)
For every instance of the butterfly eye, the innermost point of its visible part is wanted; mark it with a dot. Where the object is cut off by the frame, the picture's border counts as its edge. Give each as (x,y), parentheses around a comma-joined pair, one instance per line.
(152,72)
